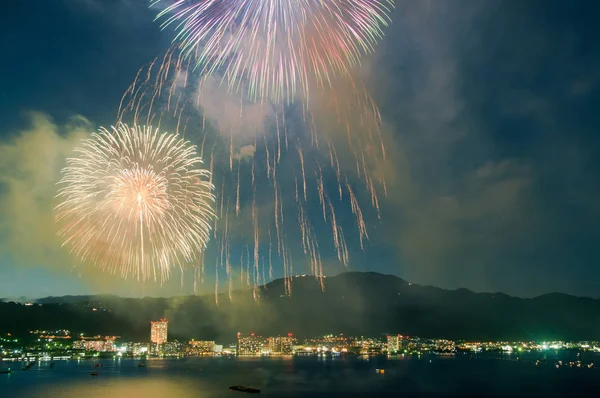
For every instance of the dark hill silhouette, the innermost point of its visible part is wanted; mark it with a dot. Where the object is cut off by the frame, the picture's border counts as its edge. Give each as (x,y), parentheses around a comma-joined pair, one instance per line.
(352,303)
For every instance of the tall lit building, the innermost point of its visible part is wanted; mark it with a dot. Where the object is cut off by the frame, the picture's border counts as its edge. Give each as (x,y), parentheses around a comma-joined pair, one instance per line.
(286,344)
(281,345)
(158,331)
(273,345)
(394,343)
(251,345)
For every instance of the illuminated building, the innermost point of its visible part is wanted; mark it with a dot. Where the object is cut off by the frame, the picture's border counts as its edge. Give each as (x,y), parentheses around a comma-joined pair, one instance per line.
(95,345)
(281,345)
(158,331)
(201,348)
(394,343)
(287,344)
(172,348)
(273,345)
(138,349)
(251,345)
(446,346)
(365,346)
(79,345)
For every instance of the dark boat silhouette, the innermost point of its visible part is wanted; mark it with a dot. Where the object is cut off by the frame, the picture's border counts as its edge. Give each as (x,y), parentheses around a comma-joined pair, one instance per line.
(29,365)
(97,365)
(248,390)
(5,371)
(141,365)
(93,373)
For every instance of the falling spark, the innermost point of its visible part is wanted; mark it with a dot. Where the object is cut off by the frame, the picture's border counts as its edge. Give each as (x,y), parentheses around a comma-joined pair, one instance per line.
(276,48)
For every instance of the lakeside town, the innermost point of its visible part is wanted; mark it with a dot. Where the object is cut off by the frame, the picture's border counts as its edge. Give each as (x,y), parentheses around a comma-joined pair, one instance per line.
(64,344)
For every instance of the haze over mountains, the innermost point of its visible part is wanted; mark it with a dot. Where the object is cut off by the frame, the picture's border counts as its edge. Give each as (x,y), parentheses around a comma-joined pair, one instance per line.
(352,303)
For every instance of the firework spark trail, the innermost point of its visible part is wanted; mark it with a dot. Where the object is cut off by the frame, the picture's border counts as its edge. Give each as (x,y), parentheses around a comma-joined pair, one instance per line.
(321,189)
(338,236)
(362,227)
(276,48)
(278,139)
(289,270)
(256,234)
(310,244)
(202,257)
(262,279)
(237,195)
(228,265)
(270,256)
(361,145)
(357,100)
(136,202)
(337,171)
(301,156)
(285,130)
(226,238)
(245,254)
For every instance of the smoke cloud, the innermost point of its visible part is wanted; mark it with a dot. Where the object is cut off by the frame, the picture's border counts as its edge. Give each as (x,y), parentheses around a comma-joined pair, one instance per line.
(30,165)
(232,115)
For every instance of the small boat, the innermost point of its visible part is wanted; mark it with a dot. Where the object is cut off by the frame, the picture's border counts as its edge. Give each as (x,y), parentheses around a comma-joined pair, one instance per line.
(5,371)
(93,373)
(29,365)
(141,365)
(97,365)
(248,390)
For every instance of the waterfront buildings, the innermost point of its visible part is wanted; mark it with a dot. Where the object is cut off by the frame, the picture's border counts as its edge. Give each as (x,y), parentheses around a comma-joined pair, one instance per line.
(201,348)
(65,344)
(96,343)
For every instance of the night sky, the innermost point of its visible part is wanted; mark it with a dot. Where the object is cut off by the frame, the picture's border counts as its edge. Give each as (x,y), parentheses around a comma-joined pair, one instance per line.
(490,110)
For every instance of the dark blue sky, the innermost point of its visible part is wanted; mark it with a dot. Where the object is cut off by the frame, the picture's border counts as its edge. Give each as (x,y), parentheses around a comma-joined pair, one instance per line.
(491,120)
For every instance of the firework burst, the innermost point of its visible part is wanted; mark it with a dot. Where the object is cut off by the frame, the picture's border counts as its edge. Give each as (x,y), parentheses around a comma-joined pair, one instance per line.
(276,48)
(136,202)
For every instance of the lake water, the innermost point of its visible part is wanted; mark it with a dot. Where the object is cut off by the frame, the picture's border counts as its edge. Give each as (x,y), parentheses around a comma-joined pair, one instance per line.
(314,377)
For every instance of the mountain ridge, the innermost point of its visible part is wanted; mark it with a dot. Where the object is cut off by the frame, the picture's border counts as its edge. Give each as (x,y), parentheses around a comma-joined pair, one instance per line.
(75,298)
(352,303)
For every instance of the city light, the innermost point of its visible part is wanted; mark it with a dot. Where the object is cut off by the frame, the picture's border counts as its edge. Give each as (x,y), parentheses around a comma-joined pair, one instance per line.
(52,344)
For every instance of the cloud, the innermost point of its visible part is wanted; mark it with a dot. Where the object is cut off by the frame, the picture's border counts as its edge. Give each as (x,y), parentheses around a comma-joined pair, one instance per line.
(245,153)
(490,172)
(30,165)
(451,205)
(232,114)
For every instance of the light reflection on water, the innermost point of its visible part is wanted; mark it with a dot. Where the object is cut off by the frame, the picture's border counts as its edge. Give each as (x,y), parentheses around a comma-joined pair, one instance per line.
(296,377)
(189,378)
(149,388)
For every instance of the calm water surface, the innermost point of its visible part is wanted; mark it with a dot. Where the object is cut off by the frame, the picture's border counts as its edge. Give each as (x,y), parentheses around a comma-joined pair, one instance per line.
(303,377)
